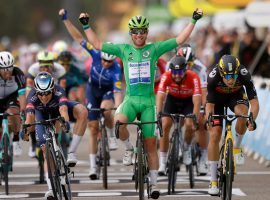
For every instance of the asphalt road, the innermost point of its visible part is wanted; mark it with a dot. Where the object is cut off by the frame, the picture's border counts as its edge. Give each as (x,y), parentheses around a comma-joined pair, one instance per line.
(251,183)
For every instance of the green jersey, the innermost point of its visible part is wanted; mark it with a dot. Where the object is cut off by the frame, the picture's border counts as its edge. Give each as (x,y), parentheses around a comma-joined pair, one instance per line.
(140,64)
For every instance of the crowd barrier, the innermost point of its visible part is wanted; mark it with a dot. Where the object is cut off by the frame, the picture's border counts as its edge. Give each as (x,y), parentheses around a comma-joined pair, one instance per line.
(258,142)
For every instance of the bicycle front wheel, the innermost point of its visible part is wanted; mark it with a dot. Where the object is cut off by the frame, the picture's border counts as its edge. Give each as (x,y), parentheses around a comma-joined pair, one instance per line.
(173,164)
(229,172)
(105,155)
(5,162)
(64,175)
(140,170)
(53,171)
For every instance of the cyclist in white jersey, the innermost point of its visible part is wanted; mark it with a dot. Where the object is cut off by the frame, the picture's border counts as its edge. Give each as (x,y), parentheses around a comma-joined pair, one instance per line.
(45,63)
(202,137)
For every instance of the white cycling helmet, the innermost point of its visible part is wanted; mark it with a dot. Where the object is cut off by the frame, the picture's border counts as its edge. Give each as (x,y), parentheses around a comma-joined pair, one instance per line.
(6,59)
(44,82)
(59,46)
(107,56)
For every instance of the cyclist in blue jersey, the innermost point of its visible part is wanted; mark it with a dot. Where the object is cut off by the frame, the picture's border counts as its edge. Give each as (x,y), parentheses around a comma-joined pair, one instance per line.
(75,78)
(46,101)
(103,90)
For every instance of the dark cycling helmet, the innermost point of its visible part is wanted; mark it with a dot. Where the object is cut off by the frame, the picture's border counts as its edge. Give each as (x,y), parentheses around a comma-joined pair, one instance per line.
(228,64)
(138,21)
(44,82)
(178,63)
(65,57)
(186,51)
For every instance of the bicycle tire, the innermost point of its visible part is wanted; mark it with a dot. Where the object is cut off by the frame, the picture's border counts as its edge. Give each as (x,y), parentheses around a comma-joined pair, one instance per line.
(104,148)
(221,177)
(172,164)
(5,162)
(41,165)
(191,168)
(140,170)
(64,173)
(229,169)
(53,170)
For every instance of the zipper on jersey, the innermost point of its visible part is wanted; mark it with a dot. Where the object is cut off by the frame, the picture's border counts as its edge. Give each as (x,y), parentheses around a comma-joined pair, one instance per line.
(100,76)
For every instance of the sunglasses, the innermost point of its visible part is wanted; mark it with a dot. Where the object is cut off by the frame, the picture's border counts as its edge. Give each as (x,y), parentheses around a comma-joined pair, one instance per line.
(179,72)
(138,31)
(7,69)
(108,61)
(230,76)
(44,93)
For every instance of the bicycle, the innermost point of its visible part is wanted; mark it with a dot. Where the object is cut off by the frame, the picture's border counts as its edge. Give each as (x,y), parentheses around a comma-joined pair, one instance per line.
(6,153)
(57,167)
(175,152)
(226,164)
(141,169)
(103,146)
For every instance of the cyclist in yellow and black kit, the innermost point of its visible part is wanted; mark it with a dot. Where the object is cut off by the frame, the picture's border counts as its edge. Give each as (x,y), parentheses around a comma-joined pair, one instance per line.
(225,88)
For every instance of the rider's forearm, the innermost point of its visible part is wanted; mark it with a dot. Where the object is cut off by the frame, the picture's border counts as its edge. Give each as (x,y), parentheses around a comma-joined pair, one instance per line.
(204,94)
(209,108)
(63,110)
(254,107)
(196,105)
(159,101)
(117,99)
(184,35)
(93,38)
(22,101)
(73,31)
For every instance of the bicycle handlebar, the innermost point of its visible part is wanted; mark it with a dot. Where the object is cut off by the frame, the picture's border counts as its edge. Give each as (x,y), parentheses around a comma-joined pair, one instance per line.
(231,118)
(47,122)
(118,123)
(181,116)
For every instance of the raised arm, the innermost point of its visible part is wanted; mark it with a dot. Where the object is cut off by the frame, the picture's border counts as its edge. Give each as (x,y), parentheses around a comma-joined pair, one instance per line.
(90,34)
(184,35)
(73,31)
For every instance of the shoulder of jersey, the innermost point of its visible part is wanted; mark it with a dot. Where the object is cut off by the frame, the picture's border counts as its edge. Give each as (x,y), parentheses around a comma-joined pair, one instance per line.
(243,70)
(213,73)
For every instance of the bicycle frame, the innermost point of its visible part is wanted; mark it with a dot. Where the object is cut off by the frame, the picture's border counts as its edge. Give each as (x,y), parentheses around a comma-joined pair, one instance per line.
(6,154)
(227,166)
(57,167)
(103,145)
(141,169)
(176,150)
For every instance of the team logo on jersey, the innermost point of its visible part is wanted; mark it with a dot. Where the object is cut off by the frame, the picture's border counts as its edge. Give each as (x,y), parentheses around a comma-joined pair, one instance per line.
(146,54)
(213,73)
(130,56)
(244,71)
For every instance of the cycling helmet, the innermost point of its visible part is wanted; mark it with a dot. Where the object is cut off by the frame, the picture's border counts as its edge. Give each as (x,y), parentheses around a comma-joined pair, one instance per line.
(45,57)
(138,21)
(107,56)
(228,64)
(44,82)
(65,57)
(186,51)
(178,63)
(59,46)
(6,59)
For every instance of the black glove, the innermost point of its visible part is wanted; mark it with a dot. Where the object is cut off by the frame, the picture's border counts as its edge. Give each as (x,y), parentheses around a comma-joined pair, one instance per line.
(84,20)
(197,15)
(66,126)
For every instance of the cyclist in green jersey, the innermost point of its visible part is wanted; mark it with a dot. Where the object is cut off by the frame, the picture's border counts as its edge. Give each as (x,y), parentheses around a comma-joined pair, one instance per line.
(139,61)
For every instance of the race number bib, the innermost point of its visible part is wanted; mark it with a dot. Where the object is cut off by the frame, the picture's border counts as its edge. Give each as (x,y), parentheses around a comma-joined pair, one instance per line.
(139,73)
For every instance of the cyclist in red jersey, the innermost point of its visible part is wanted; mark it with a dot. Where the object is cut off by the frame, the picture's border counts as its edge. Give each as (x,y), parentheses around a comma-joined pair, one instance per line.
(161,68)
(202,135)
(182,90)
